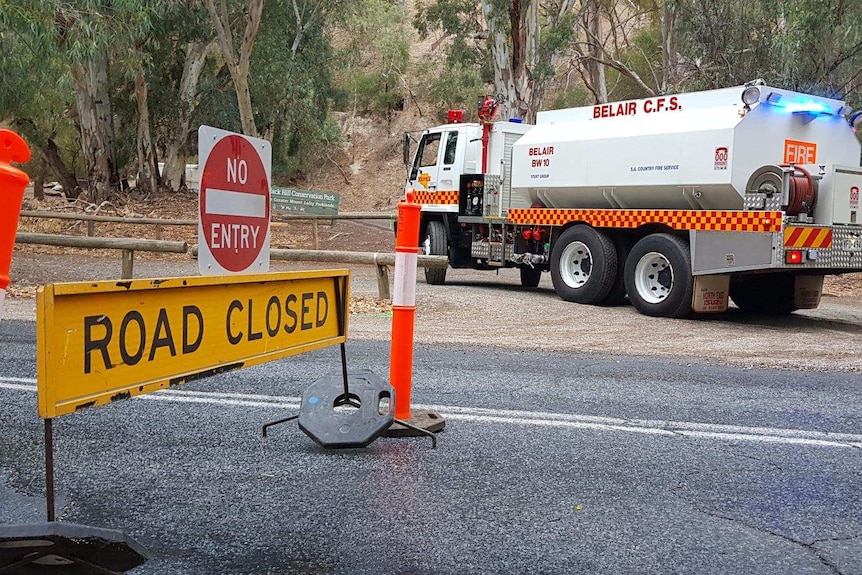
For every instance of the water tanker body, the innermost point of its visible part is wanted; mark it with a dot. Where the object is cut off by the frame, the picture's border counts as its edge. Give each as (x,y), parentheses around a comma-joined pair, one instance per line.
(692,151)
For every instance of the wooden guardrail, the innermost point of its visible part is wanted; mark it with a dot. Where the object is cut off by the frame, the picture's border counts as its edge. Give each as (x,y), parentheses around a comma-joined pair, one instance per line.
(128,246)
(283,220)
(381,260)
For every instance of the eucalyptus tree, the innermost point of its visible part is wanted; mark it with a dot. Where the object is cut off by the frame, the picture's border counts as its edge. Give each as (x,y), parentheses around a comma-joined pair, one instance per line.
(292,80)
(84,35)
(525,40)
(182,51)
(236,25)
(372,61)
(820,46)
(38,114)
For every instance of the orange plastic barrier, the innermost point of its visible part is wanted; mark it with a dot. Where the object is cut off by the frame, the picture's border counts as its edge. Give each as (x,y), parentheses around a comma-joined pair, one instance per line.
(12,184)
(404,305)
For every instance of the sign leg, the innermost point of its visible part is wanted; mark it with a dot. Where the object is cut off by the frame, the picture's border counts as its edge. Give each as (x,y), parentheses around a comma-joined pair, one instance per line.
(49,468)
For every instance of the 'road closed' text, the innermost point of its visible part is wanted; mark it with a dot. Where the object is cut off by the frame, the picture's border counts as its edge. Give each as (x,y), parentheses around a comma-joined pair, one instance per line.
(133,338)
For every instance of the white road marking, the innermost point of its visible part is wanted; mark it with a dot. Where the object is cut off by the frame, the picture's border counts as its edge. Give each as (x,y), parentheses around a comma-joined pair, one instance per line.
(524,418)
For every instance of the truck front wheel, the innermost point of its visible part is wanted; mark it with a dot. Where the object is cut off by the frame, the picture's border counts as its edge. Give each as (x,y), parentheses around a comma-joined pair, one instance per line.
(658,276)
(435,244)
(584,265)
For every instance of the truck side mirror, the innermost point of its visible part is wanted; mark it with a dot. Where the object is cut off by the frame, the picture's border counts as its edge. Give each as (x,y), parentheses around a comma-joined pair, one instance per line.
(405,149)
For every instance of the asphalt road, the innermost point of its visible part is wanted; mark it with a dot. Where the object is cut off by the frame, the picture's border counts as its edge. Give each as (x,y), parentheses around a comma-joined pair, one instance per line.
(551,463)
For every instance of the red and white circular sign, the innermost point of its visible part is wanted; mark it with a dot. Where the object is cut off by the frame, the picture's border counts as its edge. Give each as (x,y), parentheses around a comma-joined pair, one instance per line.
(234,204)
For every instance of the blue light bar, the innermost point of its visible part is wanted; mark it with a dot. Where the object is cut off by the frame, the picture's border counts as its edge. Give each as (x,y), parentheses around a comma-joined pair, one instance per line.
(803,105)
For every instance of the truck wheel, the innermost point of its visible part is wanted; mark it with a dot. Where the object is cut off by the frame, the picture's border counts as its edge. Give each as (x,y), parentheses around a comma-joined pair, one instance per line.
(658,276)
(530,277)
(583,265)
(436,245)
(764,293)
(617,294)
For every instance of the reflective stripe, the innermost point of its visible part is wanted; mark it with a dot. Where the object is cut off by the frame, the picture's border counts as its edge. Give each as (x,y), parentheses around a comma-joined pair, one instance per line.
(804,237)
(708,220)
(440,197)
(405,279)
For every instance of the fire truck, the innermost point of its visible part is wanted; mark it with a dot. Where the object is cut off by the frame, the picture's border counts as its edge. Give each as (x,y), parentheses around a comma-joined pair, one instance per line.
(676,203)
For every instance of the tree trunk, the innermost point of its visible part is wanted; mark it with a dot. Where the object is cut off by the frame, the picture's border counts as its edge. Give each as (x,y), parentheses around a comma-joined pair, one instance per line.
(148,168)
(595,68)
(238,66)
(51,154)
(96,127)
(175,160)
(67,179)
(513,67)
(669,59)
(39,178)
(243,98)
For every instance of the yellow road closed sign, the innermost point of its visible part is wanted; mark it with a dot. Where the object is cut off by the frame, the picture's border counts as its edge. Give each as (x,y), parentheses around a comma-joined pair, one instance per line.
(98,342)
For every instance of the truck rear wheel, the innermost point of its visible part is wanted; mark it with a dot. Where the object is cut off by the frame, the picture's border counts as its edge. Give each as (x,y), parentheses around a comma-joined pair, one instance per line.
(436,244)
(617,295)
(584,265)
(764,293)
(530,277)
(658,276)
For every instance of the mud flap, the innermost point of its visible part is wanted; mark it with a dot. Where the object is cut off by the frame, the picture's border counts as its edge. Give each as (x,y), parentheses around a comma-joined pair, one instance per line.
(807,292)
(710,293)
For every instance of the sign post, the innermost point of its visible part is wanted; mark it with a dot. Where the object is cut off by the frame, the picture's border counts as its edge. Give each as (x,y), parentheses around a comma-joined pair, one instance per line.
(234,203)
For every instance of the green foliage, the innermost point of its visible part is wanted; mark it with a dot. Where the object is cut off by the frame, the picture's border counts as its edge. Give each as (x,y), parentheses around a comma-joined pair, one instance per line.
(292,91)
(446,86)
(807,45)
(370,72)
(729,42)
(457,17)
(571,97)
(643,56)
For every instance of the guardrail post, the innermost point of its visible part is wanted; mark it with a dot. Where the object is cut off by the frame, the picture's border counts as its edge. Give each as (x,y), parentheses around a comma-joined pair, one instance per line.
(91,228)
(158,231)
(383,281)
(316,236)
(128,264)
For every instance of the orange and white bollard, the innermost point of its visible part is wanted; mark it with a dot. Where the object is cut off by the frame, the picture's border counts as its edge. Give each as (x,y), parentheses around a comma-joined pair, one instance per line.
(403,319)
(12,184)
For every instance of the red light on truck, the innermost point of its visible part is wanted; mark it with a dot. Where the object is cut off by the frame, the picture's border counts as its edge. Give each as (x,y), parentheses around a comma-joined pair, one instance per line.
(538,235)
(793,257)
(527,234)
(455,117)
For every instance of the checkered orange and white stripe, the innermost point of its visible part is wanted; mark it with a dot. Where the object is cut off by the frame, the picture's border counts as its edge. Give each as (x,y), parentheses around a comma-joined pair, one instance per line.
(707,220)
(439,197)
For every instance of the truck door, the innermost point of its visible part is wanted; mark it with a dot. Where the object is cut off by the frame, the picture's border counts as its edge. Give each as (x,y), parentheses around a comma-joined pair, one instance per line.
(452,159)
(437,161)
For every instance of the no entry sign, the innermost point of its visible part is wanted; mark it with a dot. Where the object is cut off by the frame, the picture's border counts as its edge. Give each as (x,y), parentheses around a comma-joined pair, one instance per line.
(233,218)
